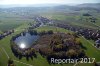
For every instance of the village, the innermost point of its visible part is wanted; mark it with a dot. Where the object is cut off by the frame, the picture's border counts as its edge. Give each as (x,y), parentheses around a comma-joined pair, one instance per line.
(88,33)
(6,33)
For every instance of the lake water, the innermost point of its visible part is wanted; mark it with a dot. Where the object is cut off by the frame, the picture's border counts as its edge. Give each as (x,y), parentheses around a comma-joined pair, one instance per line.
(26,41)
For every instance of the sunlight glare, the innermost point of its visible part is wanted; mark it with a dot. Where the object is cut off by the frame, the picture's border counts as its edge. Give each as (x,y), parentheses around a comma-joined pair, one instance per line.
(22,45)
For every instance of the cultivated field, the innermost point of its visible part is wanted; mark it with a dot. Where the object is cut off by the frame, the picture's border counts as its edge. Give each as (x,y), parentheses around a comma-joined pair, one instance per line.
(20,20)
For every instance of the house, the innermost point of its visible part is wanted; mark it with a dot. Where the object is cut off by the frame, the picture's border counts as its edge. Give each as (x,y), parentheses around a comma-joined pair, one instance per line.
(97,43)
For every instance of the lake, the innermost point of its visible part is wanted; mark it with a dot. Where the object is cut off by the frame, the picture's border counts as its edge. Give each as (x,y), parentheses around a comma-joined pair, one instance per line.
(26,41)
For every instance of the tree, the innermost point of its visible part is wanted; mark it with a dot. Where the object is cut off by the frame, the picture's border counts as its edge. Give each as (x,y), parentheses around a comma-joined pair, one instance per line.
(11,62)
(86,14)
(35,32)
(93,20)
(95,64)
(42,33)
(71,53)
(78,41)
(50,32)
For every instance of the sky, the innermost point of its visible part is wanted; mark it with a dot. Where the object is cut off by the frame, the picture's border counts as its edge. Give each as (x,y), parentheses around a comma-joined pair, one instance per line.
(7,2)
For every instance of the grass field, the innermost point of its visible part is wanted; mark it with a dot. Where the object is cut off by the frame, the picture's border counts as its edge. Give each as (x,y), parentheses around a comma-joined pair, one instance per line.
(5,43)
(91,51)
(55,29)
(40,61)
(18,23)
(1,32)
(73,19)
(10,21)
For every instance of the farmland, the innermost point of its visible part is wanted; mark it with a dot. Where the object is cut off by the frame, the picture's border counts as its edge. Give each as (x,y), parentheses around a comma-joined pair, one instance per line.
(40,60)
(22,19)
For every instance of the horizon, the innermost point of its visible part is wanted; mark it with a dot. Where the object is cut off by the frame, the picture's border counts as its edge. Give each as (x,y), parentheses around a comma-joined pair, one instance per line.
(39,5)
(35,2)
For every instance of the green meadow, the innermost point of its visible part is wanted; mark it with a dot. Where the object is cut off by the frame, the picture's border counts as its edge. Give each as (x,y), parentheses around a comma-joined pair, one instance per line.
(20,22)
(40,61)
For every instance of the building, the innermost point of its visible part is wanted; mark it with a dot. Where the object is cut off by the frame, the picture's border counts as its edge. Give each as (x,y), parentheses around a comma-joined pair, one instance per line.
(97,43)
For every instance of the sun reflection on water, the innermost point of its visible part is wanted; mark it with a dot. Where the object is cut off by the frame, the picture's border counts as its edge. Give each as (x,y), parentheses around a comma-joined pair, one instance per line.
(22,45)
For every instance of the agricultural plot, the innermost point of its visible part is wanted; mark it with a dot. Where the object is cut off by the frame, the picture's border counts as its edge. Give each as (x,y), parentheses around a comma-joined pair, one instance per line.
(40,61)
(12,21)
(47,23)
(73,19)
(55,29)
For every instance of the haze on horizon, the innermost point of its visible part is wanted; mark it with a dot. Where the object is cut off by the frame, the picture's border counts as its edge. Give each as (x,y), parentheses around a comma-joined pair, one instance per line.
(23,2)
